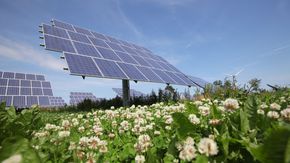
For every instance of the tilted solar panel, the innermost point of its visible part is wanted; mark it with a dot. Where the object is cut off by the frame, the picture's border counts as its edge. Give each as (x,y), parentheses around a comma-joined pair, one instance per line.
(198,81)
(89,53)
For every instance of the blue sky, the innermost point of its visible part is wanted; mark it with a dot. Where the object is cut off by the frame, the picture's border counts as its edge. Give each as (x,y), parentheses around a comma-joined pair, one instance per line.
(203,38)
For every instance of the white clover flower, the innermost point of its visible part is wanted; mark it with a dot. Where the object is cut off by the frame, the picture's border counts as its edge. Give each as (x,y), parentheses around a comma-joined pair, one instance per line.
(72,146)
(84,141)
(111,135)
(214,122)
(103,146)
(187,153)
(112,107)
(189,141)
(41,134)
(168,127)
(63,134)
(98,130)
(273,114)
(157,133)
(215,101)
(275,106)
(139,159)
(221,108)
(17,158)
(143,143)
(81,129)
(65,124)
(231,104)
(204,110)
(125,125)
(49,126)
(198,103)
(91,157)
(285,114)
(260,111)
(208,147)
(263,106)
(80,116)
(193,119)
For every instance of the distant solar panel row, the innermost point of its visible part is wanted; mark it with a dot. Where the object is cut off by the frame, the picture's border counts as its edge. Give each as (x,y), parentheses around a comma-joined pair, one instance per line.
(12,75)
(56,102)
(77,97)
(133,93)
(90,53)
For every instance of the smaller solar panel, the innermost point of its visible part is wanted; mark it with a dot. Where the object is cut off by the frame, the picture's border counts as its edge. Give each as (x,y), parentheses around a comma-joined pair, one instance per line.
(110,69)
(58,44)
(25,91)
(86,49)
(37,91)
(7,99)
(19,76)
(81,65)
(25,83)
(43,101)
(55,31)
(3,82)
(83,31)
(79,37)
(2,90)
(99,36)
(13,91)
(40,77)
(30,77)
(46,84)
(19,101)
(13,82)
(36,84)
(31,100)
(77,97)
(8,75)
(99,42)
(47,92)
(132,72)
(108,54)
(63,25)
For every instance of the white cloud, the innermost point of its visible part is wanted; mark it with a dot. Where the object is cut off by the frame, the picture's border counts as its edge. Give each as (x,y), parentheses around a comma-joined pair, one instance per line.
(23,52)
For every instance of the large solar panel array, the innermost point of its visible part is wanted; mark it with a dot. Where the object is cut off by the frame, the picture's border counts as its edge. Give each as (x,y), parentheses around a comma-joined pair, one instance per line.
(89,53)
(198,81)
(133,92)
(24,90)
(77,97)
(56,101)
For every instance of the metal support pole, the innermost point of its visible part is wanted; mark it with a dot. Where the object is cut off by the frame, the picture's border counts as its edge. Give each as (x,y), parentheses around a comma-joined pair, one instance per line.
(126,92)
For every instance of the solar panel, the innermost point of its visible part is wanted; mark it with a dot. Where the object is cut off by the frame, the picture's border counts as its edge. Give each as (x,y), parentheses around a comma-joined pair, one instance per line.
(133,93)
(24,90)
(77,97)
(89,53)
(56,101)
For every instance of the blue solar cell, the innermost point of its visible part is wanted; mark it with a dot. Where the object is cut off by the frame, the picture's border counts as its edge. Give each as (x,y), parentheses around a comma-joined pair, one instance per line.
(46,84)
(126,57)
(13,82)
(36,91)
(2,90)
(47,92)
(43,101)
(173,68)
(8,75)
(99,36)
(153,63)
(83,31)
(13,91)
(108,54)
(115,47)
(25,91)
(110,69)
(142,54)
(54,31)
(164,76)
(3,82)
(150,74)
(36,83)
(25,83)
(31,100)
(79,37)
(1,74)
(175,78)
(81,65)
(19,101)
(141,61)
(19,76)
(125,43)
(185,79)
(58,44)
(132,72)
(164,66)
(63,25)
(86,49)
(7,99)
(113,40)
(129,50)
(30,77)
(99,42)
(40,77)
